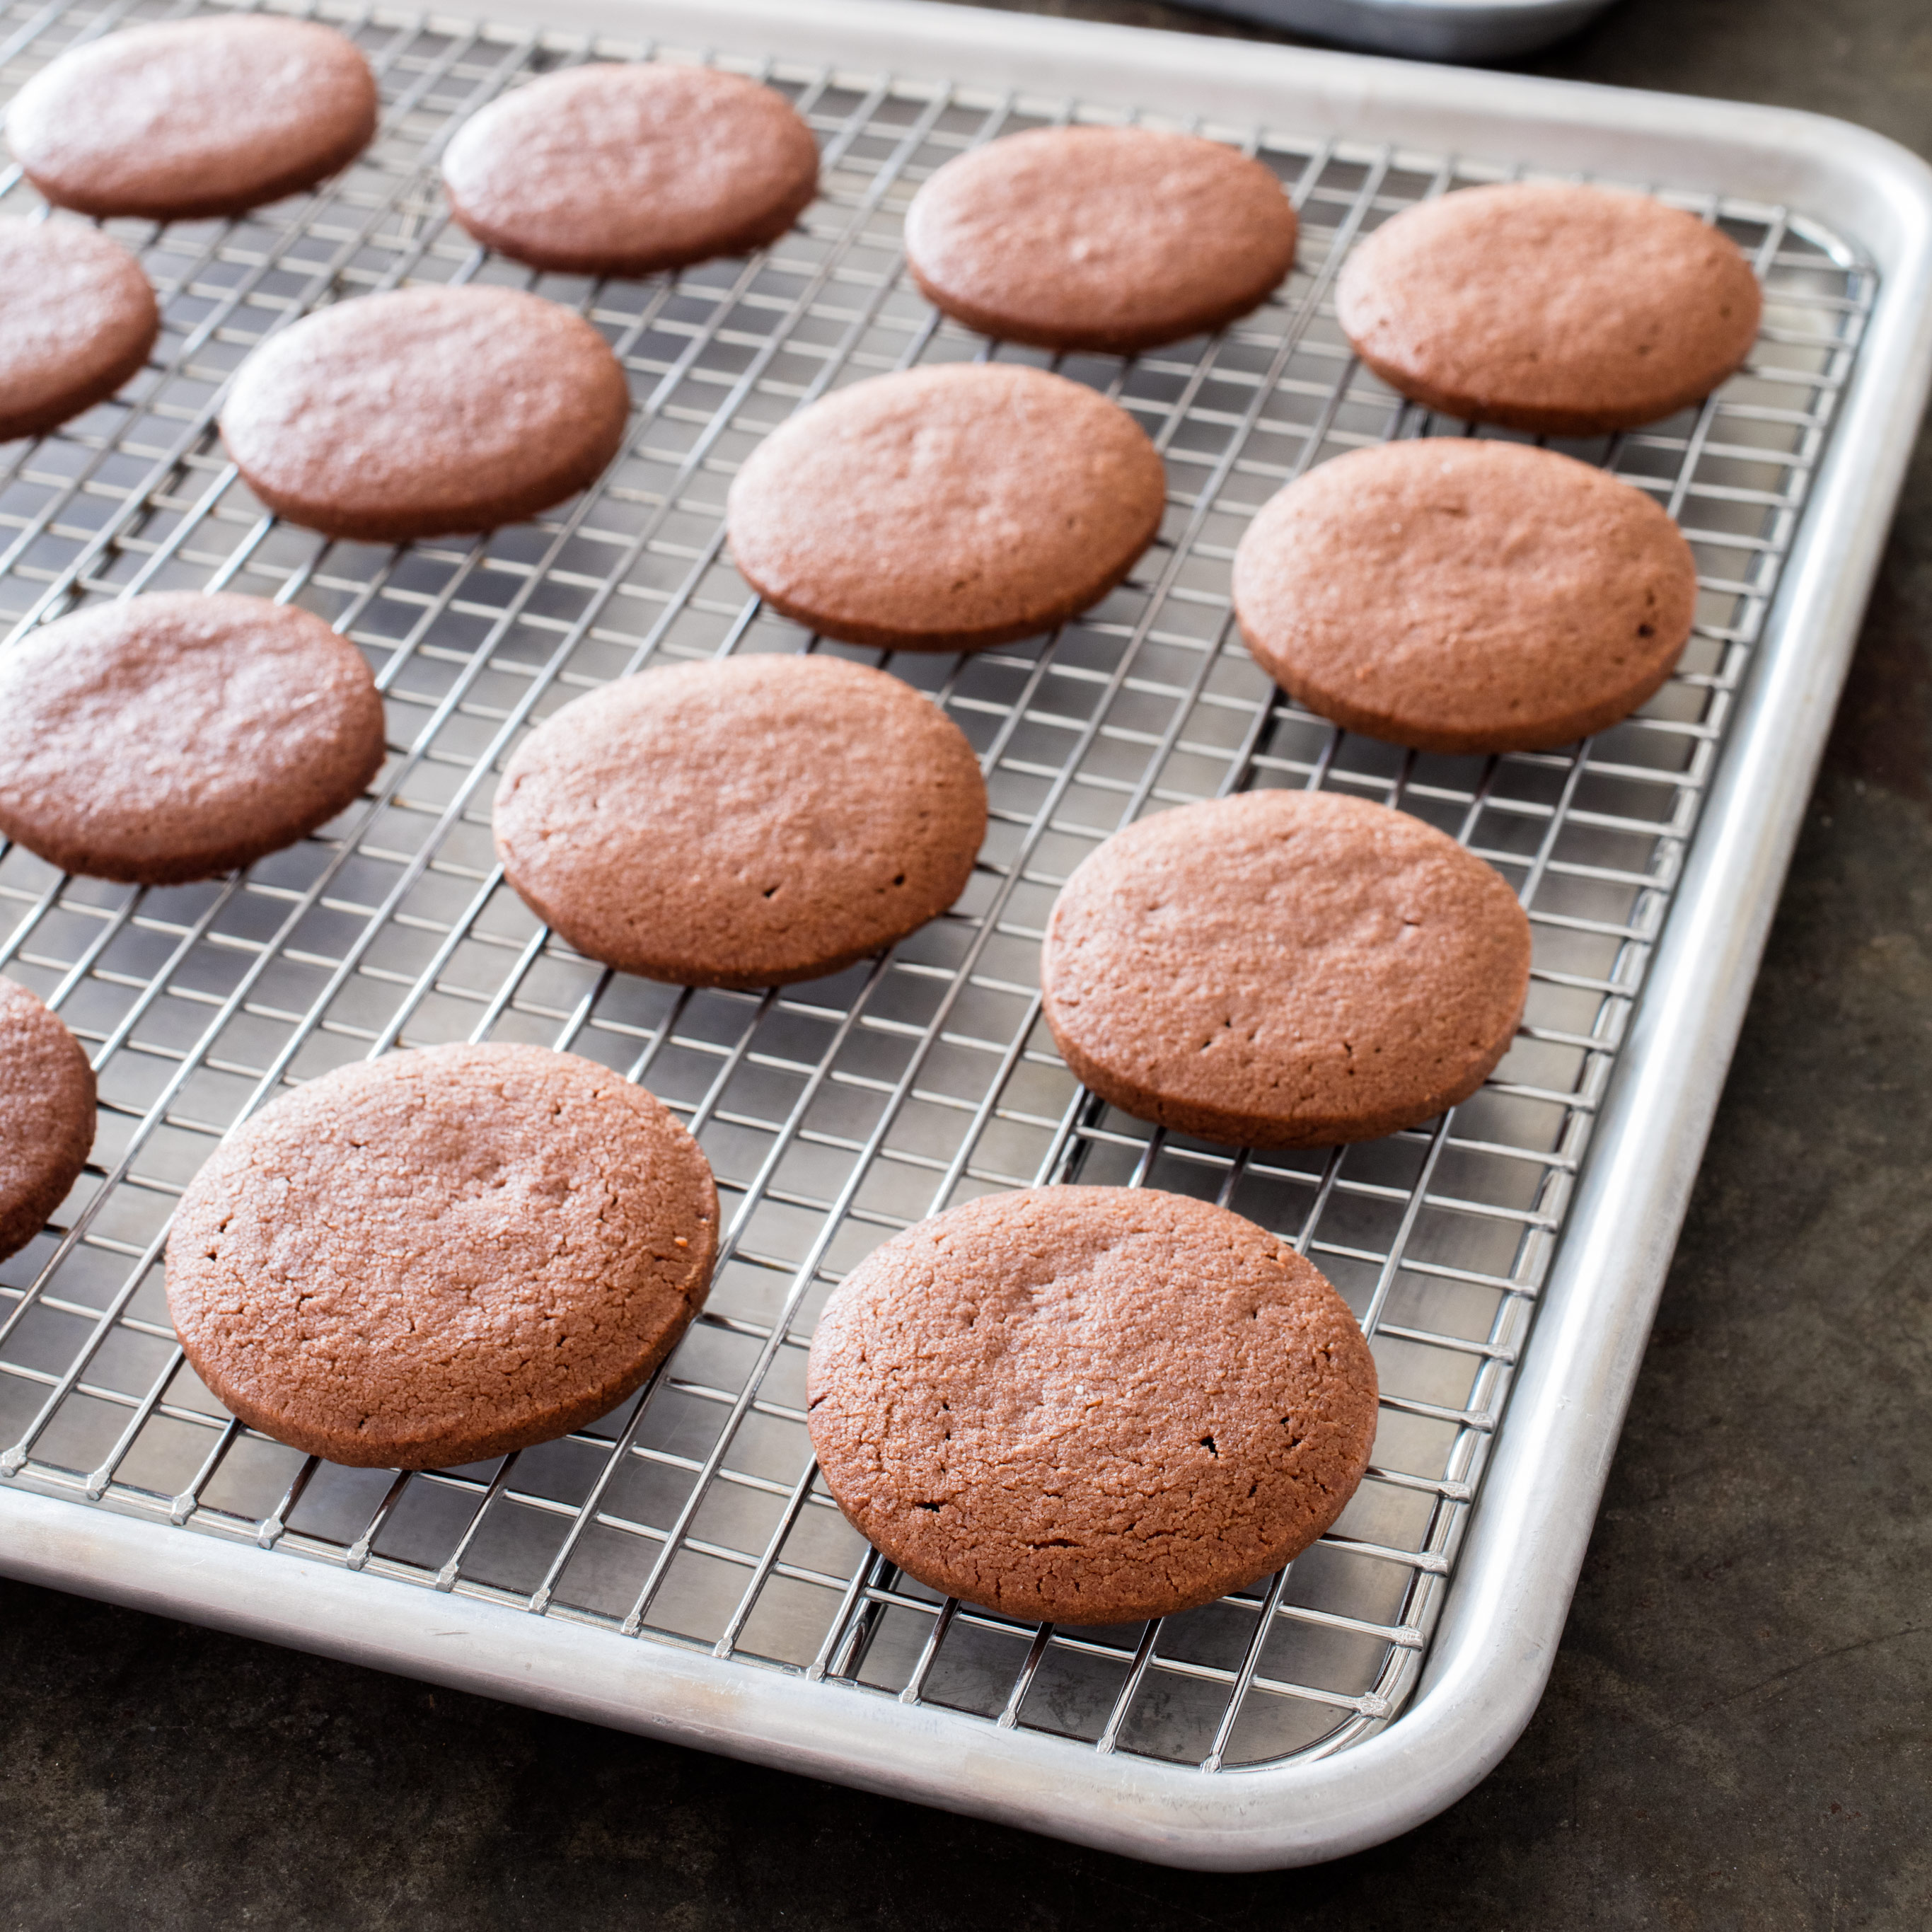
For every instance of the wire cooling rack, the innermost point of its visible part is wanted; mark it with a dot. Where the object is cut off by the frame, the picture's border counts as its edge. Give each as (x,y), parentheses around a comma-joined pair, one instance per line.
(837,1113)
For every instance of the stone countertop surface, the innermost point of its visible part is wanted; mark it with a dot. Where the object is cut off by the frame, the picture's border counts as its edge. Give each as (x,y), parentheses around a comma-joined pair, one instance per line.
(1736,1732)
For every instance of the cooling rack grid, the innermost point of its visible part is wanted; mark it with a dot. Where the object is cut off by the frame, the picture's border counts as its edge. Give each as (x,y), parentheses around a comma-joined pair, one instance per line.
(835,1113)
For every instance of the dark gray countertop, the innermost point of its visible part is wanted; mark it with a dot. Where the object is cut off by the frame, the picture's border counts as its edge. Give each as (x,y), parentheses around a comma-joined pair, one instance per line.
(1736,1733)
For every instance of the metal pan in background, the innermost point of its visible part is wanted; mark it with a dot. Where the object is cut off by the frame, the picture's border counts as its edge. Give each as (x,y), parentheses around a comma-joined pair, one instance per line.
(1435,30)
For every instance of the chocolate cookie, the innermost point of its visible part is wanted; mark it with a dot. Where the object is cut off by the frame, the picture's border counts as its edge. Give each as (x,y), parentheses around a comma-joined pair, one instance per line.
(1113,238)
(1090,1405)
(77,319)
(179,735)
(946,508)
(743,823)
(1284,969)
(46,1114)
(1466,596)
(426,412)
(193,118)
(625,169)
(429,1259)
(1551,307)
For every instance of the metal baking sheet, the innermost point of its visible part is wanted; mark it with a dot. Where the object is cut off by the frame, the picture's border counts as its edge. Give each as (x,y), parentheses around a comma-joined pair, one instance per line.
(675,1568)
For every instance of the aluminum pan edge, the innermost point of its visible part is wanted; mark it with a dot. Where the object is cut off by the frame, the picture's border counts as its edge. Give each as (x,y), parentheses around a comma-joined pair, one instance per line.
(1504,1617)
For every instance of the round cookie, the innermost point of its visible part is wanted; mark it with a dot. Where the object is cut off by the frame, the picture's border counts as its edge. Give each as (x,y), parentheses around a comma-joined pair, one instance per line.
(77,319)
(1110,238)
(426,412)
(748,823)
(1284,969)
(193,118)
(1552,307)
(1090,1405)
(46,1114)
(179,735)
(623,169)
(441,1256)
(1466,596)
(946,508)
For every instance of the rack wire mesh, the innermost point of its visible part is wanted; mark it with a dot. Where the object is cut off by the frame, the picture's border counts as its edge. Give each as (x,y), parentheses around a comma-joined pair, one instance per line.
(835,1113)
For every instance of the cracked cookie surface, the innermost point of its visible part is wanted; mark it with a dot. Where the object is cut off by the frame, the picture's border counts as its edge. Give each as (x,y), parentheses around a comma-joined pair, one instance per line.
(442,1256)
(77,319)
(182,119)
(753,822)
(1090,1405)
(626,168)
(1284,969)
(425,411)
(1555,306)
(1466,596)
(946,508)
(1109,239)
(177,736)
(47,1114)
